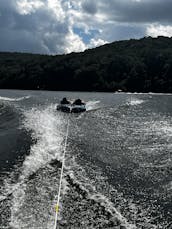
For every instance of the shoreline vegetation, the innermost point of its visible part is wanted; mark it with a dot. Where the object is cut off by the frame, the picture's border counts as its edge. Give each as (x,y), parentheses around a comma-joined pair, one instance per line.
(143,65)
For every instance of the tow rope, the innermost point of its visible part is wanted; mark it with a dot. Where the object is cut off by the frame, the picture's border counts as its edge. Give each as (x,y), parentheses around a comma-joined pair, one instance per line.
(61,177)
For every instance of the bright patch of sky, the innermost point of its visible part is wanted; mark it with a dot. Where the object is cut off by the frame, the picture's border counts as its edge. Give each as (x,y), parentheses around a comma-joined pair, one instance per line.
(27,7)
(86,36)
(159,30)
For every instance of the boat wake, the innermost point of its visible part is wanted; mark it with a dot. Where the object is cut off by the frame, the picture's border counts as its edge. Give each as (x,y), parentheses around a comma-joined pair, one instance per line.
(14,99)
(135,102)
(28,193)
(44,124)
(92,105)
(87,198)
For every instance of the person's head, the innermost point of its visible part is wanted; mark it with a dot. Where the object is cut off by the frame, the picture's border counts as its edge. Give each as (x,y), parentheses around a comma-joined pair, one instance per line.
(64,99)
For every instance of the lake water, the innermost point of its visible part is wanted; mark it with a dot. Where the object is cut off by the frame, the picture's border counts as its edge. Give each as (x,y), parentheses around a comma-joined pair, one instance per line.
(118,164)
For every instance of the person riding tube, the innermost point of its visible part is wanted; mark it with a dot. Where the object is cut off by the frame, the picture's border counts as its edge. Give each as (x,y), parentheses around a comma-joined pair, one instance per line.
(64,101)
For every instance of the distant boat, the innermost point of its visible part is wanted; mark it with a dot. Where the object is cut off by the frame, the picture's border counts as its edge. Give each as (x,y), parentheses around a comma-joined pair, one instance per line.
(77,106)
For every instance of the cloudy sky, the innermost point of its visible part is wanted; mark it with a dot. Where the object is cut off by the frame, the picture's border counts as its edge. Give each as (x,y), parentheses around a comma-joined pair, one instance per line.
(64,26)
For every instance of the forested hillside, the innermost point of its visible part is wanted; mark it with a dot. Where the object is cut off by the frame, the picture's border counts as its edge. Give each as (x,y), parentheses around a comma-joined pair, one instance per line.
(134,65)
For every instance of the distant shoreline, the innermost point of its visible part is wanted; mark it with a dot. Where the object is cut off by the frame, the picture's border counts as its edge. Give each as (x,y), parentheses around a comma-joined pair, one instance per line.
(141,66)
(107,92)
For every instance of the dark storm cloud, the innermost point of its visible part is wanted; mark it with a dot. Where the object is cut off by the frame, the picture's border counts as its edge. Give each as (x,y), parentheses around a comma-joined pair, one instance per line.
(89,6)
(125,19)
(143,11)
(37,32)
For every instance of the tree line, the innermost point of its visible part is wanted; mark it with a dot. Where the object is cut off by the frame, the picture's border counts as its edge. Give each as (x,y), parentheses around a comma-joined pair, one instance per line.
(143,65)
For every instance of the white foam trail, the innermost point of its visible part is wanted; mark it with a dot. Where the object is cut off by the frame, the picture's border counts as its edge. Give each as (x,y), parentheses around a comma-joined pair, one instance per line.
(91,105)
(143,93)
(135,102)
(14,99)
(45,125)
(152,93)
(109,205)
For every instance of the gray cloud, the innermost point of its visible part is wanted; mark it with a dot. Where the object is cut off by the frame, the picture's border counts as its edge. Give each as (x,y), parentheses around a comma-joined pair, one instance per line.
(22,41)
(37,32)
(47,26)
(89,6)
(143,11)
(123,32)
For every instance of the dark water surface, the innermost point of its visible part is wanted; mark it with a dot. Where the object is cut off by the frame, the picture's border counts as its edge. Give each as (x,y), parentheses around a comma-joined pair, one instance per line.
(118,165)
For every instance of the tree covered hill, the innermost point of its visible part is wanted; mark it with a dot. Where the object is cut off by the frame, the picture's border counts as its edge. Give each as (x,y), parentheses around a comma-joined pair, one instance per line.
(133,65)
